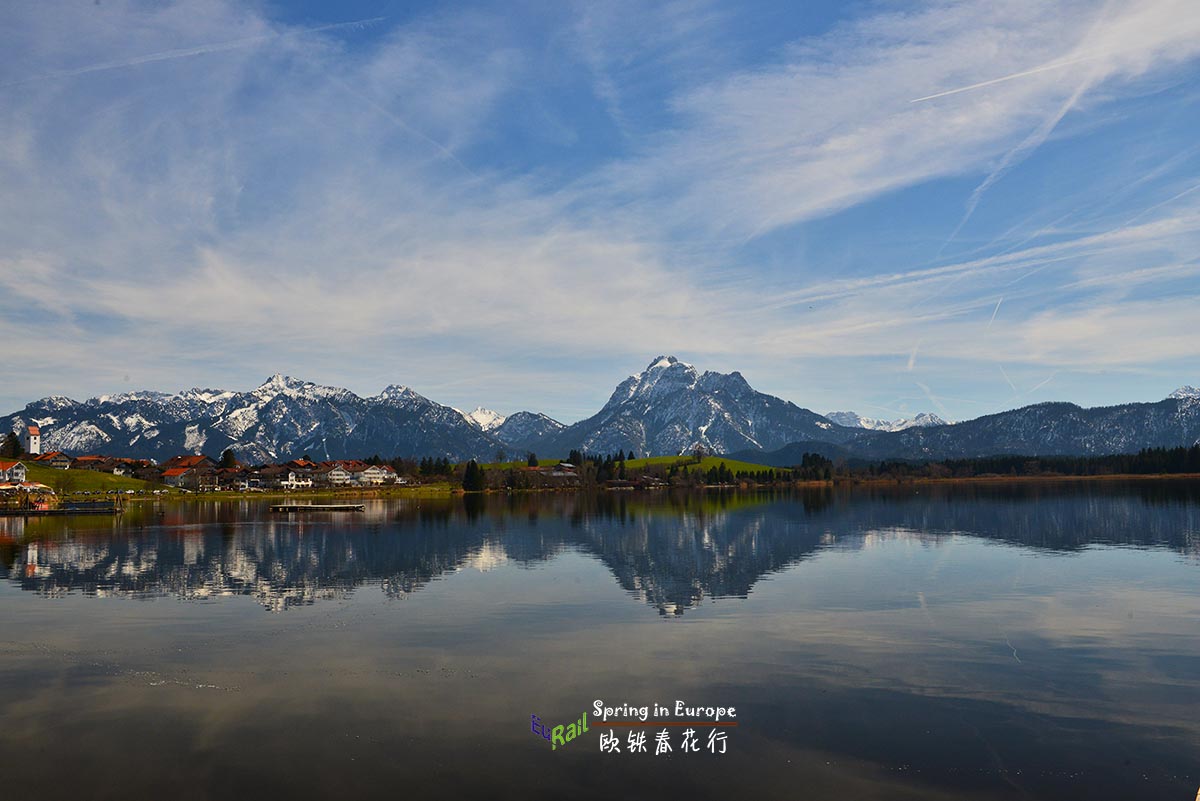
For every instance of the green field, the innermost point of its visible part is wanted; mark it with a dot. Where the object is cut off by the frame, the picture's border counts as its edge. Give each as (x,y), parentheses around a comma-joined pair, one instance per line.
(516,464)
(705,464)
(64,481)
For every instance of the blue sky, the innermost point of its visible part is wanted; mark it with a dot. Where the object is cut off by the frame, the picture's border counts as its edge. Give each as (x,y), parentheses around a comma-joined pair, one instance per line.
(887,207)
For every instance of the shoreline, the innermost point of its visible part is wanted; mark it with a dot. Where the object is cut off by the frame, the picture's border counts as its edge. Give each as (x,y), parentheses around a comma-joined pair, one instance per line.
(445,490)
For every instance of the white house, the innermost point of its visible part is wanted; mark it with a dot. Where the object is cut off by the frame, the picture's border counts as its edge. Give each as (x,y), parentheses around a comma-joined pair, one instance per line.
(332,475)
(372,475)
(296,480)
(11,471)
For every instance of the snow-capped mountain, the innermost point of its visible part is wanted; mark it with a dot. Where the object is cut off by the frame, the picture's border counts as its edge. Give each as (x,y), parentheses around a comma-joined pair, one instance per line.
(670,408)
(527,431)
(855,420)
(1044,429)
(282,418)
(521,431)
(484,419)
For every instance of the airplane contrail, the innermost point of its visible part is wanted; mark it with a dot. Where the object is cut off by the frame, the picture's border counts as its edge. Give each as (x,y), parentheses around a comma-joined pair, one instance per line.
(995,311)
(186,52)
(1044,68)
(932,399)
(402,123)
(1042,384)
(1004,373)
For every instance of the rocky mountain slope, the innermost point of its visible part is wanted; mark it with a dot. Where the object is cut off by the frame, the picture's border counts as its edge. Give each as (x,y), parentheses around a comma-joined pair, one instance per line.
(668,408)
(282,418)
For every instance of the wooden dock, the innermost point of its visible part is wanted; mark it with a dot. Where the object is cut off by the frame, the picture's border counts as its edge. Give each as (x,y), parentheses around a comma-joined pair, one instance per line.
(289,508)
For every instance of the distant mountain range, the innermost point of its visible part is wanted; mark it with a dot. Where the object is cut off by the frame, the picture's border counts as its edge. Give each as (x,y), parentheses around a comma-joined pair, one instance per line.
(854,420)
(668,408)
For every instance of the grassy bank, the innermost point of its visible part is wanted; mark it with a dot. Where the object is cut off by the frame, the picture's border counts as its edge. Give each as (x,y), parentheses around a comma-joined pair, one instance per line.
(67,481)
(705,464)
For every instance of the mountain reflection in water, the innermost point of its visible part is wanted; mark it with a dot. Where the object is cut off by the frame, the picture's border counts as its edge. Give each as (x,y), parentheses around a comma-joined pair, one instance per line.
(970,641)
(671,552)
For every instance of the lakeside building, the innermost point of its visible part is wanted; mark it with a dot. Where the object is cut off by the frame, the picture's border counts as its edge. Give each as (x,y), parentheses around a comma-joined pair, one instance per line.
(12,471)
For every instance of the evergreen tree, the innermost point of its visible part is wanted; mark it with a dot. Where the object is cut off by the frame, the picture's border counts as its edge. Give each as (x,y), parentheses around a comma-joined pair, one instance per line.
(473,478)
(531,459)
(228,459)
(11,447)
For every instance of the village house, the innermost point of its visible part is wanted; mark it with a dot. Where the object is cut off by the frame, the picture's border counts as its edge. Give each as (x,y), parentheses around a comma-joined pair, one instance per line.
(331,474)
(13,472)
(365,475)
(173,477)
(295,480)
(188,460)
(90,462)
(284,477)
(205,479)
(114,466)
(55,459)
(233,478)
(197,479)
(152,473)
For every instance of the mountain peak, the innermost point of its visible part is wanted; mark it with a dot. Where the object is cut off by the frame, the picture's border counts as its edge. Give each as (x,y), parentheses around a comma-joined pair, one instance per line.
(483,419)
(663,361)
(1186,391)
(278,381)
(393,391)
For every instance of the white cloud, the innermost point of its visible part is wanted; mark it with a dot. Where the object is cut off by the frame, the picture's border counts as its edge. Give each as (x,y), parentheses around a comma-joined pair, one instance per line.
(832,125)
(228,195)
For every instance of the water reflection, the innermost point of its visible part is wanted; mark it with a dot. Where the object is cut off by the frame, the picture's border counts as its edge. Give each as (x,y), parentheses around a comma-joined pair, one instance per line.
(903,642)
(670,551)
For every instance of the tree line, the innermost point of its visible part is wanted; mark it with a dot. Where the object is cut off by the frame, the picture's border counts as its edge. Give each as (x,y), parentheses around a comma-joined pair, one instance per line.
(1148,461)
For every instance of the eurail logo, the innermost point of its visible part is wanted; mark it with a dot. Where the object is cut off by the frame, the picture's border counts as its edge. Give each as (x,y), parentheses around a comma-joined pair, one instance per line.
(560,734)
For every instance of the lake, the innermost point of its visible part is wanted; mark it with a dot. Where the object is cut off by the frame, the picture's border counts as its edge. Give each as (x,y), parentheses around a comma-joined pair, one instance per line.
(968,641)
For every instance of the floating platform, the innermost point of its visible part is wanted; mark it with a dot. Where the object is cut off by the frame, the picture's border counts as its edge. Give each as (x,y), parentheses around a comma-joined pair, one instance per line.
(288,508)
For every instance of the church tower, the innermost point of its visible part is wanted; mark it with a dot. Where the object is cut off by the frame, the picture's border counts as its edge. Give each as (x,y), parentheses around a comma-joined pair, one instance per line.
(33,440)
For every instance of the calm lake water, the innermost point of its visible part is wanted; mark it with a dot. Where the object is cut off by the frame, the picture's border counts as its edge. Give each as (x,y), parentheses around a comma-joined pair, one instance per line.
(1036,641)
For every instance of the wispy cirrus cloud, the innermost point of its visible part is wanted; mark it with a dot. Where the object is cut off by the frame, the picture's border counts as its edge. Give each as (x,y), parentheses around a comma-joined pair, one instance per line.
(218,194)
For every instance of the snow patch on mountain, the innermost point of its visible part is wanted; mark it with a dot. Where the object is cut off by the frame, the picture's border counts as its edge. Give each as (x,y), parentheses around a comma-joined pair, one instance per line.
(77,438)
(1185,392)
(483,419)
(194,439)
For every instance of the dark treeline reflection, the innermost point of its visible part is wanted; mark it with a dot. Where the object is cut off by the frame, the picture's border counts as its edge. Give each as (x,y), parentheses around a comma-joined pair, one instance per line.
(671,551)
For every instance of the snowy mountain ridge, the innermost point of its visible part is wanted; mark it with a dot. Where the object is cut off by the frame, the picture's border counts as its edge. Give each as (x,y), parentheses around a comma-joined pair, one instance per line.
(668,408)
(855,420)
